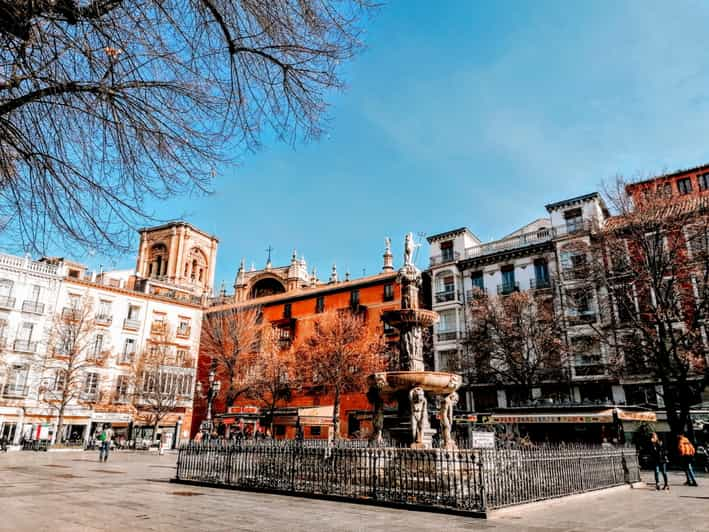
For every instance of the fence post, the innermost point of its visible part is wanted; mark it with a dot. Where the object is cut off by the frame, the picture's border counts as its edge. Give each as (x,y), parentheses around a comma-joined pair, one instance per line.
(179,457)
(483,487)
(374,472)
(583,484)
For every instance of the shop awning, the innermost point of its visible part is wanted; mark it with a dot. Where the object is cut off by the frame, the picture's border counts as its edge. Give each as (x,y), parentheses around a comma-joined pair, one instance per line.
(599,416)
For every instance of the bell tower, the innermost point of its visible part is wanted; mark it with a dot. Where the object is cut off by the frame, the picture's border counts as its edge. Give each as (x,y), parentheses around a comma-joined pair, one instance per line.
(178,254)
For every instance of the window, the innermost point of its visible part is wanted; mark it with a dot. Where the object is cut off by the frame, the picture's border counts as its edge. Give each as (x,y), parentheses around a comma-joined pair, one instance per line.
(579,307)
(91,384)
(624,303)
(354,298)
(477,279)
(182,357)
(104,310)
(541,273)
(447,251)
(74,301)
(574,264)
(446,283)
(6,288)
(16,380)
(389,292)
(508,280)
(664,190)
(703,180)
(587,356)
(315,431)
(25,332)
(59,380)
(287,310)
(698,241)
(684,186)
(121,387)
(133,312)
(183,327)
(97,347)
(574,220)
(128,351)
(320,304)
(388,329)
(36,292)
(448,360)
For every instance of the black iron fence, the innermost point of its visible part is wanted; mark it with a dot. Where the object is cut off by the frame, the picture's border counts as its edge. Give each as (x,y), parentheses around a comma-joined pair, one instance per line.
(464,480)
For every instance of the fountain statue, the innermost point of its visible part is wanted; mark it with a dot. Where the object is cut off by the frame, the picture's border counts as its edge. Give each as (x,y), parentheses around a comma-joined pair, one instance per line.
(410,383)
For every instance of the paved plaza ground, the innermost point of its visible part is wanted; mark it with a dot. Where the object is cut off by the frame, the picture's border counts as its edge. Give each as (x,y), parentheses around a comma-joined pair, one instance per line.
(63,491)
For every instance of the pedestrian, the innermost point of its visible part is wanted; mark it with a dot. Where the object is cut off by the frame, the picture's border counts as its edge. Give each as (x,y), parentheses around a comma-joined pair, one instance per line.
(198,437)
(3,443)
(105,438)
(658,455)
(685,449)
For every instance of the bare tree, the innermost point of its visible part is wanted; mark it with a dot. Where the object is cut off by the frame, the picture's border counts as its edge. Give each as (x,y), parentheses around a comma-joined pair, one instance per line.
(74,352)
(104,103)
(271,373)
(229,337)
(514,340)
(159,384)
(651,266)
(339,355)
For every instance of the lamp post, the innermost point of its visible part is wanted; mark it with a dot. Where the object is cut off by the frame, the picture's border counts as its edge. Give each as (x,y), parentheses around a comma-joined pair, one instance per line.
(212,391)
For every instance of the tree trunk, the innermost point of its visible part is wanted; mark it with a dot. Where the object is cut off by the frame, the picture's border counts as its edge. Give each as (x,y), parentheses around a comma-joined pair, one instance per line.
(336,415)
(59,438)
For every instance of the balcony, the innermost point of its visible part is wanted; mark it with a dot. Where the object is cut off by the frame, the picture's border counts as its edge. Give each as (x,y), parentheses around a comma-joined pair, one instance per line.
(444,258)
(103,319)
(131,324)
(158,327)
(510,243)
(540,284)
(581,317)
(70,314)
(34,307)
(507,288)
(126,358)
(14,390)
(7,302)
(573,228)
(447,295)
(24,346)
(447,336)
(184,331)
(578,273)
(476,292)
(89,397)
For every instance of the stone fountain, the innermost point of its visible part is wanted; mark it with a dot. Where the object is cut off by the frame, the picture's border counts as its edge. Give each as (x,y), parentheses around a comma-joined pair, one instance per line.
(410,386)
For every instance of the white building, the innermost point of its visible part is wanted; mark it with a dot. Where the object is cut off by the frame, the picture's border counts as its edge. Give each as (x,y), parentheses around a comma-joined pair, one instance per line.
(130,314)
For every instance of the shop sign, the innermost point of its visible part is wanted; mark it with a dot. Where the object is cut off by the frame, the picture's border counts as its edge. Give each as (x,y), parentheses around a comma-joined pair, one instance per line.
(111,417)
(483,440)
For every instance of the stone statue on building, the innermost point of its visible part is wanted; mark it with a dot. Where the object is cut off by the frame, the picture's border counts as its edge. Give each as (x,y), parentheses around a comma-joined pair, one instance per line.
(419,414)
(446,418)
(409,248)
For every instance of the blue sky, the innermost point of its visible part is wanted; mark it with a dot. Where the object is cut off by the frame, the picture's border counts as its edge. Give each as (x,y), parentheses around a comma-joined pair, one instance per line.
(468,113)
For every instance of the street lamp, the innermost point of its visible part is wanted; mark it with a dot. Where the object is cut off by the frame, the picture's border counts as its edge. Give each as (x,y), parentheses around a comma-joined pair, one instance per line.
(212,391)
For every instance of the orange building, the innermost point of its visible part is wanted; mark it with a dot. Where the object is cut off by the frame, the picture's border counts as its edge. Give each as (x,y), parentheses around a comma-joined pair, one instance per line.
(291,299)
(690,182)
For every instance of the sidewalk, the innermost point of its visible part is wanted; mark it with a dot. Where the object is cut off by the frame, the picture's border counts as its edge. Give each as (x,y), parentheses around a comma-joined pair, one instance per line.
(74,492)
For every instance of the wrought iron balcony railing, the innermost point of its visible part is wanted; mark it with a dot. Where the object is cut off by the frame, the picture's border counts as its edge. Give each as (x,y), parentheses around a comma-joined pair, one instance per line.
(7,302)
(131,324)
(103,319)
(24,346)
(447,295)
(539,284)
(444,258)
(14,390)
(33,306)
(447,336)
(507,288)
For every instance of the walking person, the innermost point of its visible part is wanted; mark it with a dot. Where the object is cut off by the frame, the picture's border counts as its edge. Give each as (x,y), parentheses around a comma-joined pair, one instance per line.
(105,442)
(658,455)
(685,449)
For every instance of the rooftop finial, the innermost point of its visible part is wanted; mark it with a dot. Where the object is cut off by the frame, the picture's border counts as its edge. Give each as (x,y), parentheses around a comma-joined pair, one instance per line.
(388,265)
(268,259)
(333,274)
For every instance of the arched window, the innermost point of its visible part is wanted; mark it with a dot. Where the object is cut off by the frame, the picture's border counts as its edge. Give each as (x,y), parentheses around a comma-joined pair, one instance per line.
(157,262)
(266,287)
(195,265)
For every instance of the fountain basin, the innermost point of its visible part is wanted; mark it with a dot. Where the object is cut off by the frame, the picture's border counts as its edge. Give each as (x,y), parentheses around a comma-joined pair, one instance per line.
(437,382)
(410,316)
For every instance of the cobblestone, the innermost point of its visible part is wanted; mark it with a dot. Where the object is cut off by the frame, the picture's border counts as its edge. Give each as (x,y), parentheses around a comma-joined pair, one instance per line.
(70,491)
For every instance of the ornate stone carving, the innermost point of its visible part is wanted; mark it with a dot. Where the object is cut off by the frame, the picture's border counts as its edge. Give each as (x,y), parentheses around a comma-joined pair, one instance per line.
(446,418)
(419,414)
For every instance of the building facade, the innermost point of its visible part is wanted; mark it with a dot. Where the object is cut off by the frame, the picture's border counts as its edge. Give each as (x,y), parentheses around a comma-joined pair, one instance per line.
(292,300)
(125,316)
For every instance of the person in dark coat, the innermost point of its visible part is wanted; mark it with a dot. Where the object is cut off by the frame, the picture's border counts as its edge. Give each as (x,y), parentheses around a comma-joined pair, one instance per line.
(658,456)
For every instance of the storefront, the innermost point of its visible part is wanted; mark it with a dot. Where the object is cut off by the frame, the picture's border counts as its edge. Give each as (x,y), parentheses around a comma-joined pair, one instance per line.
(120,423)
(307,423)
(592,424)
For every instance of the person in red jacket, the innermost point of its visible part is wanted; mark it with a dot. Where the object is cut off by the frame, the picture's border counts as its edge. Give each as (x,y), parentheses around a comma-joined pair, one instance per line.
(685,450)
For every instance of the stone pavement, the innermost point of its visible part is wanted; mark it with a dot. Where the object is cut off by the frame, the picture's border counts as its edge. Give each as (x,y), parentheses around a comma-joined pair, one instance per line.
(62,491)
